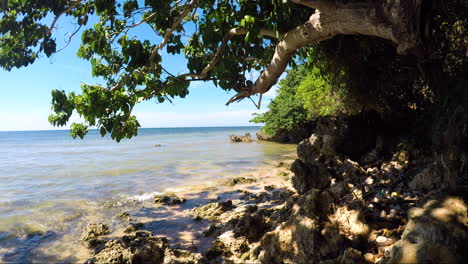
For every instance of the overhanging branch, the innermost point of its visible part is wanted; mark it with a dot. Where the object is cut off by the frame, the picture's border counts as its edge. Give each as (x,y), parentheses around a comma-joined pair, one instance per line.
(167,36)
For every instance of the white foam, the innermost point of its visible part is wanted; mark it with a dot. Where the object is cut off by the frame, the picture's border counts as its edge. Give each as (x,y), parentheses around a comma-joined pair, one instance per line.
(144,197)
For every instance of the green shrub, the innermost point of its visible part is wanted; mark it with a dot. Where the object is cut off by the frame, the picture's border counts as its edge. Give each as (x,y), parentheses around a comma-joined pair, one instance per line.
(303,95)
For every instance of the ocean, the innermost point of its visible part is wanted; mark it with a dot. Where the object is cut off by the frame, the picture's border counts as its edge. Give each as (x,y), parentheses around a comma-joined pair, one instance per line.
(49,182)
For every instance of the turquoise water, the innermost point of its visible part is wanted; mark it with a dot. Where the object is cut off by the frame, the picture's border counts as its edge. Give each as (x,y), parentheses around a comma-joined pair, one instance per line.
(48,179)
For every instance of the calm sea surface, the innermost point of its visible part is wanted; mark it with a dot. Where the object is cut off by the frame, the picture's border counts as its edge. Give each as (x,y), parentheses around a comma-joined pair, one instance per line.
(48,179)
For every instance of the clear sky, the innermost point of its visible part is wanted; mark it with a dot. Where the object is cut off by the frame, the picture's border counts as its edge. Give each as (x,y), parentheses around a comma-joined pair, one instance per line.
(25,98)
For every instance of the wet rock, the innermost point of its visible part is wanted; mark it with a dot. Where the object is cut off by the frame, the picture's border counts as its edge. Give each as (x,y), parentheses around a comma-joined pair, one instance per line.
(436,233)
(141,248)
(132,227)
(178,256)
(92,232)
(168,199)
(212,210)
(245,138)
(309,176)
(125,215)
(239,180)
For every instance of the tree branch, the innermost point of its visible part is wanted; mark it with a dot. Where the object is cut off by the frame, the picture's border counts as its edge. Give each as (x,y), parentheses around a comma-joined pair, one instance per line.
(233,32)
(167,36)
(328,21)
(52,26)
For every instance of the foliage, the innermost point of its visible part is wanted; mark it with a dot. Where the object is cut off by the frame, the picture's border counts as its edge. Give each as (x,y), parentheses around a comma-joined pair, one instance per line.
(316,93)
(364,72)
(129,63)
(303,95)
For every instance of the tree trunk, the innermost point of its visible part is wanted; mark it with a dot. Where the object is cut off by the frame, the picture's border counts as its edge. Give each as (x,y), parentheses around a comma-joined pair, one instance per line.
(394,20)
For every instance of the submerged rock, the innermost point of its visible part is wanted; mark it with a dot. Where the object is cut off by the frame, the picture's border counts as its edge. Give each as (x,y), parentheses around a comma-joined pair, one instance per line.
(132,227)
(92,232)
(245,138)
(168,199)
(239,180)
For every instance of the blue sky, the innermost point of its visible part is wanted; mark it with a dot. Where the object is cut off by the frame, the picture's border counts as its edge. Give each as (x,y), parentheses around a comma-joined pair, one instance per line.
(25,99)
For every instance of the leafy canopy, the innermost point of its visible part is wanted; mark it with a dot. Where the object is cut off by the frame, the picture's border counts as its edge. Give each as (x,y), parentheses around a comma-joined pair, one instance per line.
(131,64)
(304,94)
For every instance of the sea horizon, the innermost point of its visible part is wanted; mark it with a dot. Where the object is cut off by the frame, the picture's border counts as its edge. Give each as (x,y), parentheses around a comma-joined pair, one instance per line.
(91,129)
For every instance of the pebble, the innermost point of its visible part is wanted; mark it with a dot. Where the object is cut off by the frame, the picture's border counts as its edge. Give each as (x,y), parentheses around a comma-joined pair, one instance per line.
(369,181)
(387,252)
(383,241)
(383,214)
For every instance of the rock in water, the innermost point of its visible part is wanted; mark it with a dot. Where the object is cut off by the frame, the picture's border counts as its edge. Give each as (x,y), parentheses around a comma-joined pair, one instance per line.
(245,138)
(92,232)
(168,199)
(95,230)
(239,180)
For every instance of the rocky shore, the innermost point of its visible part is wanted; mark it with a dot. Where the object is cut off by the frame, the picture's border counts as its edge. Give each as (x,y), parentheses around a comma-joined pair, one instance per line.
(353,194)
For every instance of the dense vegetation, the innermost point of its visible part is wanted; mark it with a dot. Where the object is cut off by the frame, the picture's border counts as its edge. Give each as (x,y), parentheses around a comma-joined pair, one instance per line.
(303,95)
(414,62)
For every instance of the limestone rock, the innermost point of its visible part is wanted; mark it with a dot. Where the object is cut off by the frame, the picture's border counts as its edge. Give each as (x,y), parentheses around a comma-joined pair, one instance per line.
(245,138)
(132,227)
(436,233)
(141,248)
(178,256)
(212,210)
(309,176)
(427,179)
(250,226)
(351,171)
(236,244)
(239,180)
(168,199)
(92,233)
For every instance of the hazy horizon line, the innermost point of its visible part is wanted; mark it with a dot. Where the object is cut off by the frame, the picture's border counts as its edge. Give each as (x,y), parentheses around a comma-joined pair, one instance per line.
(68,129)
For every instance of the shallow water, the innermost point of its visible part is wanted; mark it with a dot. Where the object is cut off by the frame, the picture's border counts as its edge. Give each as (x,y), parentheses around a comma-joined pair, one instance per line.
(51,184)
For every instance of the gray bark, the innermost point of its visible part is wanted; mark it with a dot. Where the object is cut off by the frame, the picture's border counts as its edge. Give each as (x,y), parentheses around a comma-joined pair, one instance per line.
(394,20)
